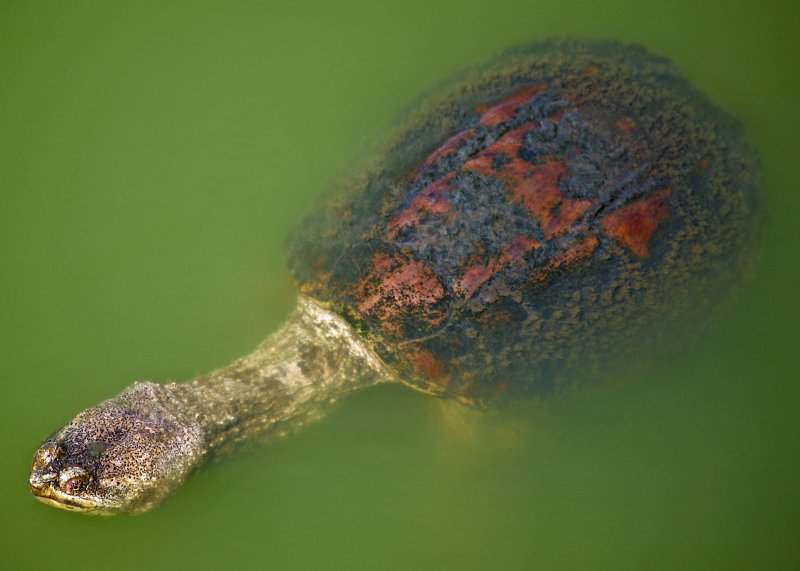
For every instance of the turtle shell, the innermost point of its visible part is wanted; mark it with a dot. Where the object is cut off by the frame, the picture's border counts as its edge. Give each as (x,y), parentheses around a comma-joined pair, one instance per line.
(554,202)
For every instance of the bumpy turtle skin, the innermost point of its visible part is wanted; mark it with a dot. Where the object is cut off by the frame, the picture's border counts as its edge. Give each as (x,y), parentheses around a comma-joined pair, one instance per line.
(557,200)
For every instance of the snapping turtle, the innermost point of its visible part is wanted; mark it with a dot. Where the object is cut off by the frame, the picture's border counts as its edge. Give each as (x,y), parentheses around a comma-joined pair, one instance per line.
(555,202)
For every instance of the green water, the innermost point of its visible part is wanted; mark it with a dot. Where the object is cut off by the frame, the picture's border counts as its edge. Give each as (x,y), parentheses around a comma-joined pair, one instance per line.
(153,156)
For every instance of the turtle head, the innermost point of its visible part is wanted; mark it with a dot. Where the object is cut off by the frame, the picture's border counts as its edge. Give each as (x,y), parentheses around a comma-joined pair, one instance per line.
(124,455)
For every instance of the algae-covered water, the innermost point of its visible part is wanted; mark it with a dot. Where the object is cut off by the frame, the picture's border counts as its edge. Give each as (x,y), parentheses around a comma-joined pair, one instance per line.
(153,157)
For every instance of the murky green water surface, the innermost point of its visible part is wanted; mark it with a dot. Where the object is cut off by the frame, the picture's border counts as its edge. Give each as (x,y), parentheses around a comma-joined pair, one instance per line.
(153,156)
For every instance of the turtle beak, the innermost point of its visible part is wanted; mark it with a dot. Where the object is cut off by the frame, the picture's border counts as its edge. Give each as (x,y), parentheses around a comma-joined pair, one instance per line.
(42,488)
(39,480)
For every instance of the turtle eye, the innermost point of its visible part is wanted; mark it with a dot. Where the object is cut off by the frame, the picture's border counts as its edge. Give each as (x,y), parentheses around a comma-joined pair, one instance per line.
(74,485)
(73,480)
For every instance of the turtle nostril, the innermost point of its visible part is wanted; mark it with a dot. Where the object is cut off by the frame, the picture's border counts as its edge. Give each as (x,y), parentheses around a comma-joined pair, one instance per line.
(40,479)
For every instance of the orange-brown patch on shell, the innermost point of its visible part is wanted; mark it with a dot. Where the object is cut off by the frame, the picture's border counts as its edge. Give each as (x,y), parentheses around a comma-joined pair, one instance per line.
(475,276)
(483,163)
(478,273)
(507,108)
(430,199)
(449,146)
(633,225)
(509,144)
(517,248)
(556,116)
(398,288)
(576,251)
(536,188)
(625,125)
(427,365)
